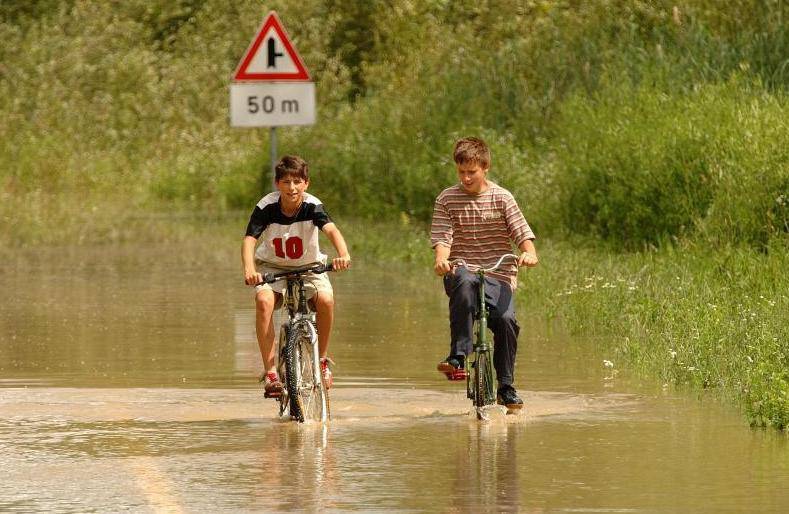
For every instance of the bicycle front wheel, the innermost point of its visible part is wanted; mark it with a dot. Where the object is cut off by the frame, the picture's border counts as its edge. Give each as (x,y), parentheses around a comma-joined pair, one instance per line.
(282,366)
(306,393)
(482,380)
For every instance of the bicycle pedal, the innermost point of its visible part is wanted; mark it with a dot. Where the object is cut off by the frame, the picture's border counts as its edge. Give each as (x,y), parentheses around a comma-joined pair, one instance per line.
(458,374)
(273,394)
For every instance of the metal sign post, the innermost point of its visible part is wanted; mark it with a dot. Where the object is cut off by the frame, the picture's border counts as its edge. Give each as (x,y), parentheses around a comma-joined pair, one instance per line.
(271,86)
(273,147)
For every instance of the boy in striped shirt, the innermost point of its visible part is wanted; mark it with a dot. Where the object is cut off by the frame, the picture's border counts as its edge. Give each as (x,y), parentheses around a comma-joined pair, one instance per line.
(478,221)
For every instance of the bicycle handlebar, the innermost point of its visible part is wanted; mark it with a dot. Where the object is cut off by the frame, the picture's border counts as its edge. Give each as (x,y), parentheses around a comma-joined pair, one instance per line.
(501,259)
(270,278)
(461,262)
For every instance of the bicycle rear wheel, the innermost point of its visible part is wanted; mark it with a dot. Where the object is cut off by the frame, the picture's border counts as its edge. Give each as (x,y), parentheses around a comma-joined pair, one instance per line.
(308,399)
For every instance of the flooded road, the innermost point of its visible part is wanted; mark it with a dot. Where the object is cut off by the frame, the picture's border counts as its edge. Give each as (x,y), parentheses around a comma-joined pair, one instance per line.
(132,387)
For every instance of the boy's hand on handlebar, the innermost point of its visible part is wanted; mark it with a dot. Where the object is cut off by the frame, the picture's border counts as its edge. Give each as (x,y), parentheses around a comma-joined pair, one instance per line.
(442,267)
(527,259)
(341,263)
(252,278)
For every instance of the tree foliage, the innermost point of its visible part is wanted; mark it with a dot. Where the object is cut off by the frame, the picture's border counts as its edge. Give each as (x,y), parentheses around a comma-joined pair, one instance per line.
(620,118)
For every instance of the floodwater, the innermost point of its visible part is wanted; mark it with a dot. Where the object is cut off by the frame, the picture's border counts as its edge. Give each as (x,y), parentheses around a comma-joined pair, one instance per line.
(131,387)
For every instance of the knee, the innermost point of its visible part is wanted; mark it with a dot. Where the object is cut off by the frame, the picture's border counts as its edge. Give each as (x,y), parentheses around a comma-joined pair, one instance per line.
(463,285)
(510,322)
(324,300)
(264,302)
(465,279)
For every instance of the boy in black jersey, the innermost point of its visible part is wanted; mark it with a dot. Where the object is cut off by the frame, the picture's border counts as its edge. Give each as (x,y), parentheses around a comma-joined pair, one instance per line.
(286,222)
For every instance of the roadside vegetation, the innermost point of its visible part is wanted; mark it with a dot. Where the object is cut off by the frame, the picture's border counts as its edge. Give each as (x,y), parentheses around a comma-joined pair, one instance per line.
(645,142)
(691,317)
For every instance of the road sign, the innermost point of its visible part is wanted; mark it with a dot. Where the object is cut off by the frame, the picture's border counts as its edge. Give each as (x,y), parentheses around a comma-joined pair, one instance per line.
(271,86)
(272,104)
(271,56)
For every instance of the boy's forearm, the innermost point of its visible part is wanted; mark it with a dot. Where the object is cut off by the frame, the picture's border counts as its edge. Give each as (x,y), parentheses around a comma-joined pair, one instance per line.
(528,256)
(441,265)
(441,252)
(248,253)
(337,240)
(339,245)
(527,245)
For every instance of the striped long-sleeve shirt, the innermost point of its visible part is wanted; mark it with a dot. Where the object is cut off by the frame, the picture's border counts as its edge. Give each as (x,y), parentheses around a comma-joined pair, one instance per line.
(480,228)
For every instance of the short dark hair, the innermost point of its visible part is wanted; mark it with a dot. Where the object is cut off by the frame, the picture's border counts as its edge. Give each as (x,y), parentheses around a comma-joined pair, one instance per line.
(292,165)
(471,150)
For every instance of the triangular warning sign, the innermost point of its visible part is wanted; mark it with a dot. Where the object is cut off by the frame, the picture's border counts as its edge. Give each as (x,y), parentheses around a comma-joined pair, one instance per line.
(271,55)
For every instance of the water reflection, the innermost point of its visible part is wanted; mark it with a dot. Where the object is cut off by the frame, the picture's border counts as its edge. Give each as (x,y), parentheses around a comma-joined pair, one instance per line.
(485,469)
(298,469)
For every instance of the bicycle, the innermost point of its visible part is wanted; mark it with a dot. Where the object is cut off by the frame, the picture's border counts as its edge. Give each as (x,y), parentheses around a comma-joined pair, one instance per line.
(479,383)
(305,396)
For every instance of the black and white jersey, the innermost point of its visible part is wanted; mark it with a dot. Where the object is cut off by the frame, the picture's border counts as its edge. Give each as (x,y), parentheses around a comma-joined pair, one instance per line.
(288,241)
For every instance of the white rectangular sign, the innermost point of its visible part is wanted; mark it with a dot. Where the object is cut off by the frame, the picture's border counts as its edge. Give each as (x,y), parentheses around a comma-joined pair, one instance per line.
(272,104)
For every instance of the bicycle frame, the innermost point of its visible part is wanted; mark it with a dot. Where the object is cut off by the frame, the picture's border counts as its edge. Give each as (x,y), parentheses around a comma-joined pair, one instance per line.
(481,346)
(304,395)
(295,301)
(479,384)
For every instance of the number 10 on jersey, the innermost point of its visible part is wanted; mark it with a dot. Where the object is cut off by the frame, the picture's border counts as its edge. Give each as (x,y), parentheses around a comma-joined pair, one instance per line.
(290,248)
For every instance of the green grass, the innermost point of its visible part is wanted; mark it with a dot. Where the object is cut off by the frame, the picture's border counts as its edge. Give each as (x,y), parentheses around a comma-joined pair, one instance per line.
(712,320)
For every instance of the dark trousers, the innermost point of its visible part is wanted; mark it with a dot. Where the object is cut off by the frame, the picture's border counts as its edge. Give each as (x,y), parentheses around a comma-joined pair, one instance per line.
(462,287)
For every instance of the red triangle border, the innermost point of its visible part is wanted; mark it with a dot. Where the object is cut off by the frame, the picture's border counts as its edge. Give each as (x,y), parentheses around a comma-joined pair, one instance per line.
(241,73)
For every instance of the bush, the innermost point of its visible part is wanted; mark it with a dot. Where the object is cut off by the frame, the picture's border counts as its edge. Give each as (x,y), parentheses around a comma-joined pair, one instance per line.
(637,167)
(143,85)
